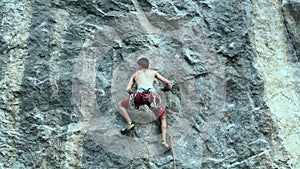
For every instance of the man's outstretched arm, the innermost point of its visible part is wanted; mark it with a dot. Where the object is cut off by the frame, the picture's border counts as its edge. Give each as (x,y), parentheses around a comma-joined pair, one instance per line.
(130,85)
(164,80)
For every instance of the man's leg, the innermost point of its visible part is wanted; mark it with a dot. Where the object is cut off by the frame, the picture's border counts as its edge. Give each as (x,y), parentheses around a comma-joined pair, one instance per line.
(161,113)
(124,113)
(164,131)
(123,106)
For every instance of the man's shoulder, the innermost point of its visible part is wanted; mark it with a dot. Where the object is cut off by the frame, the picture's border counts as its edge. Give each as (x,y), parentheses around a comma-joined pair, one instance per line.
(151,71)
(147,70)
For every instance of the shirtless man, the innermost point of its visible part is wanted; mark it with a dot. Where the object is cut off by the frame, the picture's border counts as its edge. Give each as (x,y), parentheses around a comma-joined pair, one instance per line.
(145,94)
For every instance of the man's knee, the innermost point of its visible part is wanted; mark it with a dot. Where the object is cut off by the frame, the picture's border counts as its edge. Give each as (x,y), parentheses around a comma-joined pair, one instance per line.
(163,119)
(120,103)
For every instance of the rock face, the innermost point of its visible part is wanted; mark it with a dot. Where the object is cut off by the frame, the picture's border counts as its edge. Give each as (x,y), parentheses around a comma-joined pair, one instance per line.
(234,66)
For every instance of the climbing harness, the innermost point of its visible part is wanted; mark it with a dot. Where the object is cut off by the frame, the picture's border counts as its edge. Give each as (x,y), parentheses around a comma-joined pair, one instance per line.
(145,96)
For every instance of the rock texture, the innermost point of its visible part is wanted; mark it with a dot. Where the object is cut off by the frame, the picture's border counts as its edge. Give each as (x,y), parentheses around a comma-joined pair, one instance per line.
(234,65)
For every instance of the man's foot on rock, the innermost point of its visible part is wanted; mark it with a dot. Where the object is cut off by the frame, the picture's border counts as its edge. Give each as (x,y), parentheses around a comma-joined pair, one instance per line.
(128,128)
(164,144)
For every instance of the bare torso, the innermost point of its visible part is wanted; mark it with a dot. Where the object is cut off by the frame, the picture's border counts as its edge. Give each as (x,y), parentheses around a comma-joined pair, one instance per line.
(144,78)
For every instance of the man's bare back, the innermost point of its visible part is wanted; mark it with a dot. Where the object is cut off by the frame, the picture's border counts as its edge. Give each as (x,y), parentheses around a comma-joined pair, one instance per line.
(144,78)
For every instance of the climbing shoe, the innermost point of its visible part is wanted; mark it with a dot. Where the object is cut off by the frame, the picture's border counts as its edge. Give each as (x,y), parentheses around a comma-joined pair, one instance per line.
(128,128)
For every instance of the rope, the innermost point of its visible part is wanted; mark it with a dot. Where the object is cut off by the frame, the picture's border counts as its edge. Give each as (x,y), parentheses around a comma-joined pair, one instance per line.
(173,153)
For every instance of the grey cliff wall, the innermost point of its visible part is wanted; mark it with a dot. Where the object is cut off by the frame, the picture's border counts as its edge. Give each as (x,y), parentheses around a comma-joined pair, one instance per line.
(234,66)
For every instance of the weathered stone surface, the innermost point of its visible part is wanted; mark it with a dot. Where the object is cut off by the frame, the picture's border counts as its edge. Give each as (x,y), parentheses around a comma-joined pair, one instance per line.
(278,61)
(234,65)
(291,19)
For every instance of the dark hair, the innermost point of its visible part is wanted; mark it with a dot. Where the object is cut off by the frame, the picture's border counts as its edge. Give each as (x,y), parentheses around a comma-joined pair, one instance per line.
(144,62)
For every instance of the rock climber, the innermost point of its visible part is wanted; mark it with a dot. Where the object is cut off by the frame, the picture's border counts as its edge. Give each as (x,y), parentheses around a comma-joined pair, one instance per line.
(145,94)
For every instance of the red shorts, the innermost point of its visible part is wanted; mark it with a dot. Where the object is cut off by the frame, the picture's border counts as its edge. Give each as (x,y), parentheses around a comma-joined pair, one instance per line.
(155,105)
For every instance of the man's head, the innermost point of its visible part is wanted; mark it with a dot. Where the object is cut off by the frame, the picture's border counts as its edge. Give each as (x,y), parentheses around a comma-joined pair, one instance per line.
(143,62)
